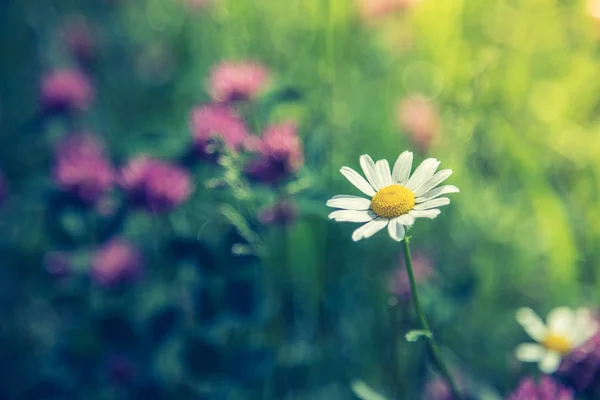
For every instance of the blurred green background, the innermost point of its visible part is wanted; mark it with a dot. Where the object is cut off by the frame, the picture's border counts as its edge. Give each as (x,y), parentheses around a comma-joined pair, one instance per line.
(504,93)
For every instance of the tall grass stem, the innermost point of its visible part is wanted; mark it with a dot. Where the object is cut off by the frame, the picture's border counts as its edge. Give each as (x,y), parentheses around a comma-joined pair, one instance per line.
(431,343)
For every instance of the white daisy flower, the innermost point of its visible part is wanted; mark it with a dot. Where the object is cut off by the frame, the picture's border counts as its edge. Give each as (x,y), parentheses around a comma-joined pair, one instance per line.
(396,197)
(566,330)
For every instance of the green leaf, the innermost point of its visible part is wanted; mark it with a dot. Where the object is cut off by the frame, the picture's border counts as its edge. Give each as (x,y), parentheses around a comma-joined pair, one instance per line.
(415,334)
(364,392)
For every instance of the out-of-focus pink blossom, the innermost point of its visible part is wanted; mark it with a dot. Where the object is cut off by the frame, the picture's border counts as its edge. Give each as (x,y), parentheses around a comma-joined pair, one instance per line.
(419,118)
(117,262)
(217,125)
(196,4)
(66,90)
(155,184)
(398,282)
(280,154)
(547,389)
(282,213)
(581,367)
(230,81)
(437,389)
(78,38)
(281,143)
(82,168)
(374,9)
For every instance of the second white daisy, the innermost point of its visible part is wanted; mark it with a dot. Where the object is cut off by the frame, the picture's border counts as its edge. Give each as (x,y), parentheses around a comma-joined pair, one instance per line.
(397,197)
(566,330)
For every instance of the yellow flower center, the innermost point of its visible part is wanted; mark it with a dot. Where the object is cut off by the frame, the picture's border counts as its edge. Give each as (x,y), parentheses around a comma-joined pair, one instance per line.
(392,201)
(558,343)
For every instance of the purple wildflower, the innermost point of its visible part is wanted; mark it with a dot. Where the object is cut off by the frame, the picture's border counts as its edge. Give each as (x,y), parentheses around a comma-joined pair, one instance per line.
(230,81)
(282,213)
(81,168)
(155,184)
(215,124)
(66,90)
(398,283)
(437,389)
(77,37)
(280,154)
(547,389)
(118,261)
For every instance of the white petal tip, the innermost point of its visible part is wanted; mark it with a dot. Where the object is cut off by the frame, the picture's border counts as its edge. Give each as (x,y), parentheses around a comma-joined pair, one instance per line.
(332,203)
(526,316)
(549,367)
(519,357)
(523,312)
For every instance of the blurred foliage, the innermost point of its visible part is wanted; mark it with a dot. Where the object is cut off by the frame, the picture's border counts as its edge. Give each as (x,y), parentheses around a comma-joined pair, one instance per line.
(232,309)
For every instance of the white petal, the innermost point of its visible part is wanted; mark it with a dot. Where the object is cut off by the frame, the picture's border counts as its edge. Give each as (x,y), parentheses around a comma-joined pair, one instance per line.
(431,214)
(435,180)
(588,333)
(402,168)
(369,229)
(550,362)
(560,320)
(352,216)
(406,219)
(396,230)
(423,173)
(368,167)
(532,323)
(584,327)
(383,169)
(349,202)
(442,201)
(358,181)
(433,193)
(530,352)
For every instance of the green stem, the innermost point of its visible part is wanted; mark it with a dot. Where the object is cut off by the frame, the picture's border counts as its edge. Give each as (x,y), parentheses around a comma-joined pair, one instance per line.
(431,343)
(395,373)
